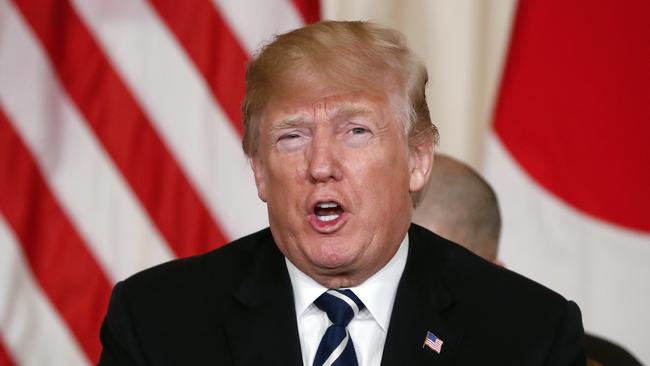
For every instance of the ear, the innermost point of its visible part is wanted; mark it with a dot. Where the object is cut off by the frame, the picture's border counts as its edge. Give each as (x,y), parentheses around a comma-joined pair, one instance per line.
(421,161)
(260,178)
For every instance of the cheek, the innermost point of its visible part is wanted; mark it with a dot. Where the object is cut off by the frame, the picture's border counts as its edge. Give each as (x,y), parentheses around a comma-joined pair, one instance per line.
(379,178)
(286,178)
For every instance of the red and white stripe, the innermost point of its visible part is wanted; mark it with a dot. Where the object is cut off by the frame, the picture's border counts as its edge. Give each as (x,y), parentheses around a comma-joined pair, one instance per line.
(435,345)
(120,148)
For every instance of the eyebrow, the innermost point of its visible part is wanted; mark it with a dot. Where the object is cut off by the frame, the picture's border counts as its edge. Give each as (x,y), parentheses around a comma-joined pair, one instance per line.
(347,111)
(290,122)
(339,113)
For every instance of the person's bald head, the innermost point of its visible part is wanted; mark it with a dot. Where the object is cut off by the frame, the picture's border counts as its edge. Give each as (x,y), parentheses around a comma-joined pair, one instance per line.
(461,206)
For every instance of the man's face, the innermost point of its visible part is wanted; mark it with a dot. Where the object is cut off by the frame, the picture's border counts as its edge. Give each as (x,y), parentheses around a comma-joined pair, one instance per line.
(336,172)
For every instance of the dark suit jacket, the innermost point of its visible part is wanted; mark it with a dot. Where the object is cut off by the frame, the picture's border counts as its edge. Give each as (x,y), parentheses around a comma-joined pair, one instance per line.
(234,306)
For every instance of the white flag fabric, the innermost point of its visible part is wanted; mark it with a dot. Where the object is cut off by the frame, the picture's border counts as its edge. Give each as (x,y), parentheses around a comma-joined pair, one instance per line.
(569,158)
(120,137)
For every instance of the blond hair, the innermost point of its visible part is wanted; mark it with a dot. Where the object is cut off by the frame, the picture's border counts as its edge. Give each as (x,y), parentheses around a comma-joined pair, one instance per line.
(343,55)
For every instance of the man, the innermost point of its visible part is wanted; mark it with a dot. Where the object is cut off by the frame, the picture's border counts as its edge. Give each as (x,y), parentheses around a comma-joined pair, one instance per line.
(462,207)
(340,141)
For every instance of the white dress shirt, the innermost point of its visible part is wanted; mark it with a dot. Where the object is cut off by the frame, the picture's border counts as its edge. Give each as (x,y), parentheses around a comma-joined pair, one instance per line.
(367,329)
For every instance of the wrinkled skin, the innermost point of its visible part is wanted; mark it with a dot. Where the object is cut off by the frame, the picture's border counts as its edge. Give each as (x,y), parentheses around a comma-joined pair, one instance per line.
(347,148)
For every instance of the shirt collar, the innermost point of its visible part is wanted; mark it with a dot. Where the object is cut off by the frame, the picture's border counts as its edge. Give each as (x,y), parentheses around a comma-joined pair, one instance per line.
(377,293)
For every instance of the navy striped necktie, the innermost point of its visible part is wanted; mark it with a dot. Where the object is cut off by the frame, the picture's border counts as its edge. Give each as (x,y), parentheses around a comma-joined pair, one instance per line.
(336,348)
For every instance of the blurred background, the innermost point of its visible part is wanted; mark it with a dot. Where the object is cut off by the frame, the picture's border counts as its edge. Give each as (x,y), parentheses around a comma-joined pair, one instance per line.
(120,145)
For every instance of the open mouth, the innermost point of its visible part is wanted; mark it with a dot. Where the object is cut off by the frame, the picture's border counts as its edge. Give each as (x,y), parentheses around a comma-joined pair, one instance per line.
(328,211)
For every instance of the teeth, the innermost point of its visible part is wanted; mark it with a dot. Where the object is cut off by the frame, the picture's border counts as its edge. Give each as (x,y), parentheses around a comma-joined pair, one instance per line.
(327,218)
(327,211)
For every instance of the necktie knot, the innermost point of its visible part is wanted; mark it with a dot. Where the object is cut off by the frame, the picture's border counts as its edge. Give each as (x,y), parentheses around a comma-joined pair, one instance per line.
(340,305)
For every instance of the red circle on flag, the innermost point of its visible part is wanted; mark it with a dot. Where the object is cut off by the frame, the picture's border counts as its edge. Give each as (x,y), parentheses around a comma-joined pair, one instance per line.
(574,107)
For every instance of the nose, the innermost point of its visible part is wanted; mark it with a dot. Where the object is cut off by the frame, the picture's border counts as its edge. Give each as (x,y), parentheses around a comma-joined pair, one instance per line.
(324,159)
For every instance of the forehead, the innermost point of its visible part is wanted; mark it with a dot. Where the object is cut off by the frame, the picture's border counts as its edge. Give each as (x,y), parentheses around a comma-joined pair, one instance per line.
(327,106)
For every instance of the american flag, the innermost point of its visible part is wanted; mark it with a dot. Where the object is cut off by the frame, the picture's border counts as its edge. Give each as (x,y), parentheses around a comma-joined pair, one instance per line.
(119,149)
(433,342)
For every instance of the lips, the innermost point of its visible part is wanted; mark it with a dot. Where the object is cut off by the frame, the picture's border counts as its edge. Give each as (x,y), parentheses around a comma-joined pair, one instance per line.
(327,216)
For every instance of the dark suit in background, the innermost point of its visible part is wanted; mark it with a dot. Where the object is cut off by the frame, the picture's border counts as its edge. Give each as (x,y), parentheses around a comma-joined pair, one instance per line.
(602,352)
(234,306)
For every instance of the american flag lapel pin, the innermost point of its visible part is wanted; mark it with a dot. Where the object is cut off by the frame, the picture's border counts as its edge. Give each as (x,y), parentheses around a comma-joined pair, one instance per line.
(432,342)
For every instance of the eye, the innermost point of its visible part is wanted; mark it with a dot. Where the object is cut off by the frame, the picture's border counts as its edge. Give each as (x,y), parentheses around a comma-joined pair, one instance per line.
(357,136)
(358,131)
(289,136)
(291,140)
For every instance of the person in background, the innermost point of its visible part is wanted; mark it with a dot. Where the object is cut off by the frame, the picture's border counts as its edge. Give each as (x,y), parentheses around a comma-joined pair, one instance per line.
(462,207)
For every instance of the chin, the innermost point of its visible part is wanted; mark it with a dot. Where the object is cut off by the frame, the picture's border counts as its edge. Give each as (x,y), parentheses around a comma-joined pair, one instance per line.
(334,263)
(334,252)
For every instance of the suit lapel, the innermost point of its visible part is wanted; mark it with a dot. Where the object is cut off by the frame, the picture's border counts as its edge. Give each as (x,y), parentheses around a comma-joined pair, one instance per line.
(261,328)
(423,303)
